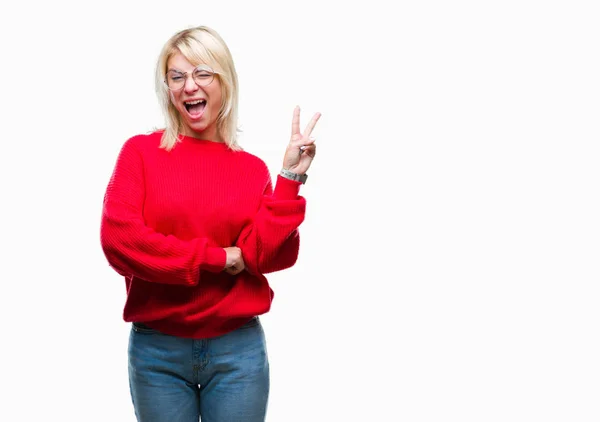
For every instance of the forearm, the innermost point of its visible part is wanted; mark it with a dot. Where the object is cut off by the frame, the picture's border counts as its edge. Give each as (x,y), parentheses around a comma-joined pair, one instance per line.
(132,248)
(271,242)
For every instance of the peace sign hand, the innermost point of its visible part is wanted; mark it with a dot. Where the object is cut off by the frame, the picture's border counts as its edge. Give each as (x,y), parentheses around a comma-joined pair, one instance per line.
(301,150)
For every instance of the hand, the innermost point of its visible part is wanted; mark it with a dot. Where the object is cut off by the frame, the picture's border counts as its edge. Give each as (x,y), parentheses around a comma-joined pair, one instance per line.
(235,262)
(302,149)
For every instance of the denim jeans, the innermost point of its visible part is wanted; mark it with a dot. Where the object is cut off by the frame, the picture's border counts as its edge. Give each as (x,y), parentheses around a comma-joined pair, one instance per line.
(220,379)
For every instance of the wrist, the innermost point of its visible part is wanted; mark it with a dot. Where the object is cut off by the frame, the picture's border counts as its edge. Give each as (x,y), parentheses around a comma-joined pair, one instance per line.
(297,177)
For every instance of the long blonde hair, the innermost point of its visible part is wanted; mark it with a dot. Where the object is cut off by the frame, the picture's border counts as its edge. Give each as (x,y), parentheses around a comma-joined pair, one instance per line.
(200,45)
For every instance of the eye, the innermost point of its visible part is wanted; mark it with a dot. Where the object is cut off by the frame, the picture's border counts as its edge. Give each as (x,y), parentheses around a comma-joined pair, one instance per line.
(202,74)
(174,76)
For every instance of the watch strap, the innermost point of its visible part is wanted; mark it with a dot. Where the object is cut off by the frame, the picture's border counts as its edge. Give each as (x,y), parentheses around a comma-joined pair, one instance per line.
(294,176)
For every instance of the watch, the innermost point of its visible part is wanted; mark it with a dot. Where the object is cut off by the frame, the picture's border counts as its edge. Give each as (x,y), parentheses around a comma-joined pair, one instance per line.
(294,176)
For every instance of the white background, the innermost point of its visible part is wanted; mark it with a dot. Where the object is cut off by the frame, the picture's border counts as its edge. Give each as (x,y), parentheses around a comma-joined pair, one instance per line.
(449,261)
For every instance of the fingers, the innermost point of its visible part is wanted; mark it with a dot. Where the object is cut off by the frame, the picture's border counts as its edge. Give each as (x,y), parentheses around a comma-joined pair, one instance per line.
(234,261)
(233,270)
(302,142)
(311,125)
(310,150)
(296,121)
(237,266)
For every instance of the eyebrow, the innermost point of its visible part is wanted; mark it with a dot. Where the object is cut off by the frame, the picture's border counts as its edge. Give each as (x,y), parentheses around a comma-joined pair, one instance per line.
(183,73)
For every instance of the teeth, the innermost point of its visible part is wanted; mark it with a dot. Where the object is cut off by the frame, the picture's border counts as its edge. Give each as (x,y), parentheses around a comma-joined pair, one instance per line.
(195,102)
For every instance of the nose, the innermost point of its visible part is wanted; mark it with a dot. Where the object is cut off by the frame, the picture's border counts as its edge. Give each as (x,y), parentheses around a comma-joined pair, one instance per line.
(190,85)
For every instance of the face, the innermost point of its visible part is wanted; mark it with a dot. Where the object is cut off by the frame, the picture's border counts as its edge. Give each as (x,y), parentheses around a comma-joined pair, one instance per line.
(197,105)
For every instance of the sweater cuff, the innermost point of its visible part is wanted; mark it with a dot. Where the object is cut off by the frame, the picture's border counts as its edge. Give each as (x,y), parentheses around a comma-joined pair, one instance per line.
(286,188)
(214,259)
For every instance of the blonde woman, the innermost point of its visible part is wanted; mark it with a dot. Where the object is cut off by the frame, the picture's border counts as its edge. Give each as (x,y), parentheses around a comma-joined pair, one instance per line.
(193,223)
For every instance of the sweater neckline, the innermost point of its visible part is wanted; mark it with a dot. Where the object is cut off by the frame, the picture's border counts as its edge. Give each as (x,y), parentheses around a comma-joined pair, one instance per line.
(200,141)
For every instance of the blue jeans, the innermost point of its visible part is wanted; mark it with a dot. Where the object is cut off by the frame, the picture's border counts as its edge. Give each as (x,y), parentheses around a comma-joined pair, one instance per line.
(221,379)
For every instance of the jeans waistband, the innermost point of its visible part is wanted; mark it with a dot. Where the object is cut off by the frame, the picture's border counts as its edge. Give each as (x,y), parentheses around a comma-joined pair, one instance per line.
(145,327)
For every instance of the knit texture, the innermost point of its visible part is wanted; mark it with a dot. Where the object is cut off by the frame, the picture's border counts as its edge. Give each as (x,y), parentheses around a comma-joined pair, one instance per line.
(166,218)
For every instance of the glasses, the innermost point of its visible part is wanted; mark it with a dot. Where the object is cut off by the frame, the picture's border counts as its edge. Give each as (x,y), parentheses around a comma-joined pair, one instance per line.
(203,76)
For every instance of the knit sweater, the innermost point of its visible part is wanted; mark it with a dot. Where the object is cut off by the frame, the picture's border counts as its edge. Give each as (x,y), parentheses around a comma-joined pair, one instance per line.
(166,218)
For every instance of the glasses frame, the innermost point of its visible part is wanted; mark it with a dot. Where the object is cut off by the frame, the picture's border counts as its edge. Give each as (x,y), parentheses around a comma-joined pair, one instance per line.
(201,67)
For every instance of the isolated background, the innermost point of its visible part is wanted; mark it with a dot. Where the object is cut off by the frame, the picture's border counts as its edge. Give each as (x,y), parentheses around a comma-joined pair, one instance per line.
(449,262)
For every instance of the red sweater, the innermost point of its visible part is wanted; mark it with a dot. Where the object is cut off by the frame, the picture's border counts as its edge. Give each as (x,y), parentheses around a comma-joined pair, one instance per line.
(167,217)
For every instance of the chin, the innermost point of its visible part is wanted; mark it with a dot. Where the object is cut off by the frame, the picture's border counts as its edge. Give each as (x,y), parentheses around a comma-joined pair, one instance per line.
(197,127)
(201,130)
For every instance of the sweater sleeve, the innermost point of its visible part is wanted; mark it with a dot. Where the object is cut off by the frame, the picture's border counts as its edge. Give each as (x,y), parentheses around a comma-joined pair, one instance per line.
(132,248)
(271,241)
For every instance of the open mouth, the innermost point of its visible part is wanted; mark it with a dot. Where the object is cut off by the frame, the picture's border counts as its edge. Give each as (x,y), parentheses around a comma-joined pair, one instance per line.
(195,107)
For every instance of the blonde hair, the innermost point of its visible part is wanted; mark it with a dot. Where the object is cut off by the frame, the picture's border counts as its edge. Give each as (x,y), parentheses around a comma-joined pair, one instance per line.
(200,45)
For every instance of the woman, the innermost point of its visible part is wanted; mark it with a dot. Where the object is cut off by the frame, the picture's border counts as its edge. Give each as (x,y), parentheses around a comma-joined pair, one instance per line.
(193,223)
